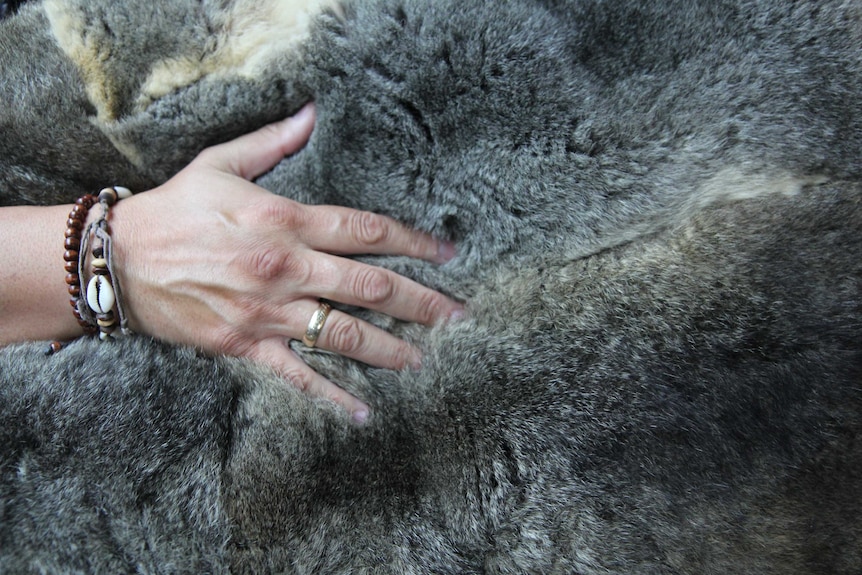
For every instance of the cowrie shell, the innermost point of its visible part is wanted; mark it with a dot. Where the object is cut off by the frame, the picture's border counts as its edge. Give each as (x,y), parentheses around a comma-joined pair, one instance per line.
(100,295)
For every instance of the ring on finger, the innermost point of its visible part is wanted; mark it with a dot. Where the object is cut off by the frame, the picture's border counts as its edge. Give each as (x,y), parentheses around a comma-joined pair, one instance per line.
(315,324)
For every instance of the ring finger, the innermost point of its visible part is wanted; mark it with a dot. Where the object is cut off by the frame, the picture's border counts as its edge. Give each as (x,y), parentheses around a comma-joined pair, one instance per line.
(352,337)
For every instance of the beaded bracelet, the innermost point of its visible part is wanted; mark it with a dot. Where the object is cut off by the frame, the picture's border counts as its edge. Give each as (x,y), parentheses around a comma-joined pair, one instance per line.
(72,245)
(93,306)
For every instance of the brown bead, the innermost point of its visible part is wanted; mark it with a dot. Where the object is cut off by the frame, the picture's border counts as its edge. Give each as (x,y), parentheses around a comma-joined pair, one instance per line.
(109,196)
(75,224)
(54,347)
(71,267)
(86,200)
(72,243)
(107,317)
(75,291)
(72,233)
(72,279)
(98,252)
(101,271)
(70,255)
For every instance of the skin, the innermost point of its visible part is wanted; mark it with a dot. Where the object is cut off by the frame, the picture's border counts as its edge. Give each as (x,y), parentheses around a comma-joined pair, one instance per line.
(211,260)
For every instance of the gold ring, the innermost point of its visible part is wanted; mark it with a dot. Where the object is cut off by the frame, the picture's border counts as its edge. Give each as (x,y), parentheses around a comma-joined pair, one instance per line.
(315,324)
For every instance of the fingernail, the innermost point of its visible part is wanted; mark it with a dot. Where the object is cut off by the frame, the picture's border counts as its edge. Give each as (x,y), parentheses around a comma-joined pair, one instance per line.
(360,416)
(458,314)
(303,114)
(445,251)
(416,361)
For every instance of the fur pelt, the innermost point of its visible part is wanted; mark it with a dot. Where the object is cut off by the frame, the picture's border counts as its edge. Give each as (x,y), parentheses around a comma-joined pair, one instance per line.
(657,208)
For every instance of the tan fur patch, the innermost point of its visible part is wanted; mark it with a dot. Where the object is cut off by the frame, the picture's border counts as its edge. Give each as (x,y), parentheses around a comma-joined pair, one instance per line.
(87,55)
(250,33)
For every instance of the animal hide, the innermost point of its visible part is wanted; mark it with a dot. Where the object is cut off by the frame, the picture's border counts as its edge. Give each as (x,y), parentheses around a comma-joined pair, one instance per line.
(657,210)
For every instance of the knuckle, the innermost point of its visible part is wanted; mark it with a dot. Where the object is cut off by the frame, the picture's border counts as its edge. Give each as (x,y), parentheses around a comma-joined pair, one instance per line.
(301,379)
(369,228)
(268,263)
(429,307)
(345,336)
(230,342)
(373,285)
(274,262)
(402,355)
(276,212)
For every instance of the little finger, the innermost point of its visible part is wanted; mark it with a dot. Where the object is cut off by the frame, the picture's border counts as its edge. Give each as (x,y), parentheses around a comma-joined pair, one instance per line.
(276,354)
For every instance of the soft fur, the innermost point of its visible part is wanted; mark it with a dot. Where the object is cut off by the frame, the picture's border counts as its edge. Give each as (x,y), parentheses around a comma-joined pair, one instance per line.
(657,208)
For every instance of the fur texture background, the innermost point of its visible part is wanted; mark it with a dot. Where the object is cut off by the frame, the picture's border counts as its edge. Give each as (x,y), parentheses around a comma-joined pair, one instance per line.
(657,208)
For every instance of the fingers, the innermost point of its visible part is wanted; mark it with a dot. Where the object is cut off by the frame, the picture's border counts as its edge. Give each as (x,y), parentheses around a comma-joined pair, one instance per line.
(253,154)
(273,351)
(341,230)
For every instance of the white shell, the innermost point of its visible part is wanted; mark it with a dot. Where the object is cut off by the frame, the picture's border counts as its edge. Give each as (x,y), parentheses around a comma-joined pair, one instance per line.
(100,295)
(122,192)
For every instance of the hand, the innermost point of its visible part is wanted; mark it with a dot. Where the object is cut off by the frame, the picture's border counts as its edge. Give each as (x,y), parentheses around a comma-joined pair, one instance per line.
(211,260)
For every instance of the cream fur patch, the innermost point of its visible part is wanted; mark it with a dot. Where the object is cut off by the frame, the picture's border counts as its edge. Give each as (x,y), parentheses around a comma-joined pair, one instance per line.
(246,35)
(732,184)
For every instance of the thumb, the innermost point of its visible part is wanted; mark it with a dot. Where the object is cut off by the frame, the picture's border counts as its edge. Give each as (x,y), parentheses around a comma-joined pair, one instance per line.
(253,154)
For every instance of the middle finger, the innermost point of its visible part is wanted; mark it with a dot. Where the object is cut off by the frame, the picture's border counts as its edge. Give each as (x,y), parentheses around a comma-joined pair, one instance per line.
(371,287)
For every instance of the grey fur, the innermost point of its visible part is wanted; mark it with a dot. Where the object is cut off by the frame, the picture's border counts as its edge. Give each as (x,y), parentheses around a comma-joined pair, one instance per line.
(658,211)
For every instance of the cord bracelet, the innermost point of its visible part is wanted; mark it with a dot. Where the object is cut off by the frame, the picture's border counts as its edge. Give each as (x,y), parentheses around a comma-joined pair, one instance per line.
(94,305)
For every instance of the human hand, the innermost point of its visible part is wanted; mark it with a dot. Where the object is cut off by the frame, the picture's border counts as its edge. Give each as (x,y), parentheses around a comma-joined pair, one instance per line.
(210,259)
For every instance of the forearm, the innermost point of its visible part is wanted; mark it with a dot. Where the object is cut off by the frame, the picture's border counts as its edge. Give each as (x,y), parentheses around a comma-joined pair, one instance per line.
(34,301)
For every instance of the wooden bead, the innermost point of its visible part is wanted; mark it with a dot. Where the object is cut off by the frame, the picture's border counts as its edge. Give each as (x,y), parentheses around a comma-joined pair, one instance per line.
(75,291)
(72,279)
(98,252)
(108,316)
(71,267)
(71,255)
(75,224)
(72,243)
(72,233)
(106,323)
(53,348)
(109,196)
(101,272)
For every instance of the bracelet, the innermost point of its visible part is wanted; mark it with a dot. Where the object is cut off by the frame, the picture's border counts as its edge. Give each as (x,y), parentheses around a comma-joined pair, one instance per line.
(103,290)
(72,245)
(93,307)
